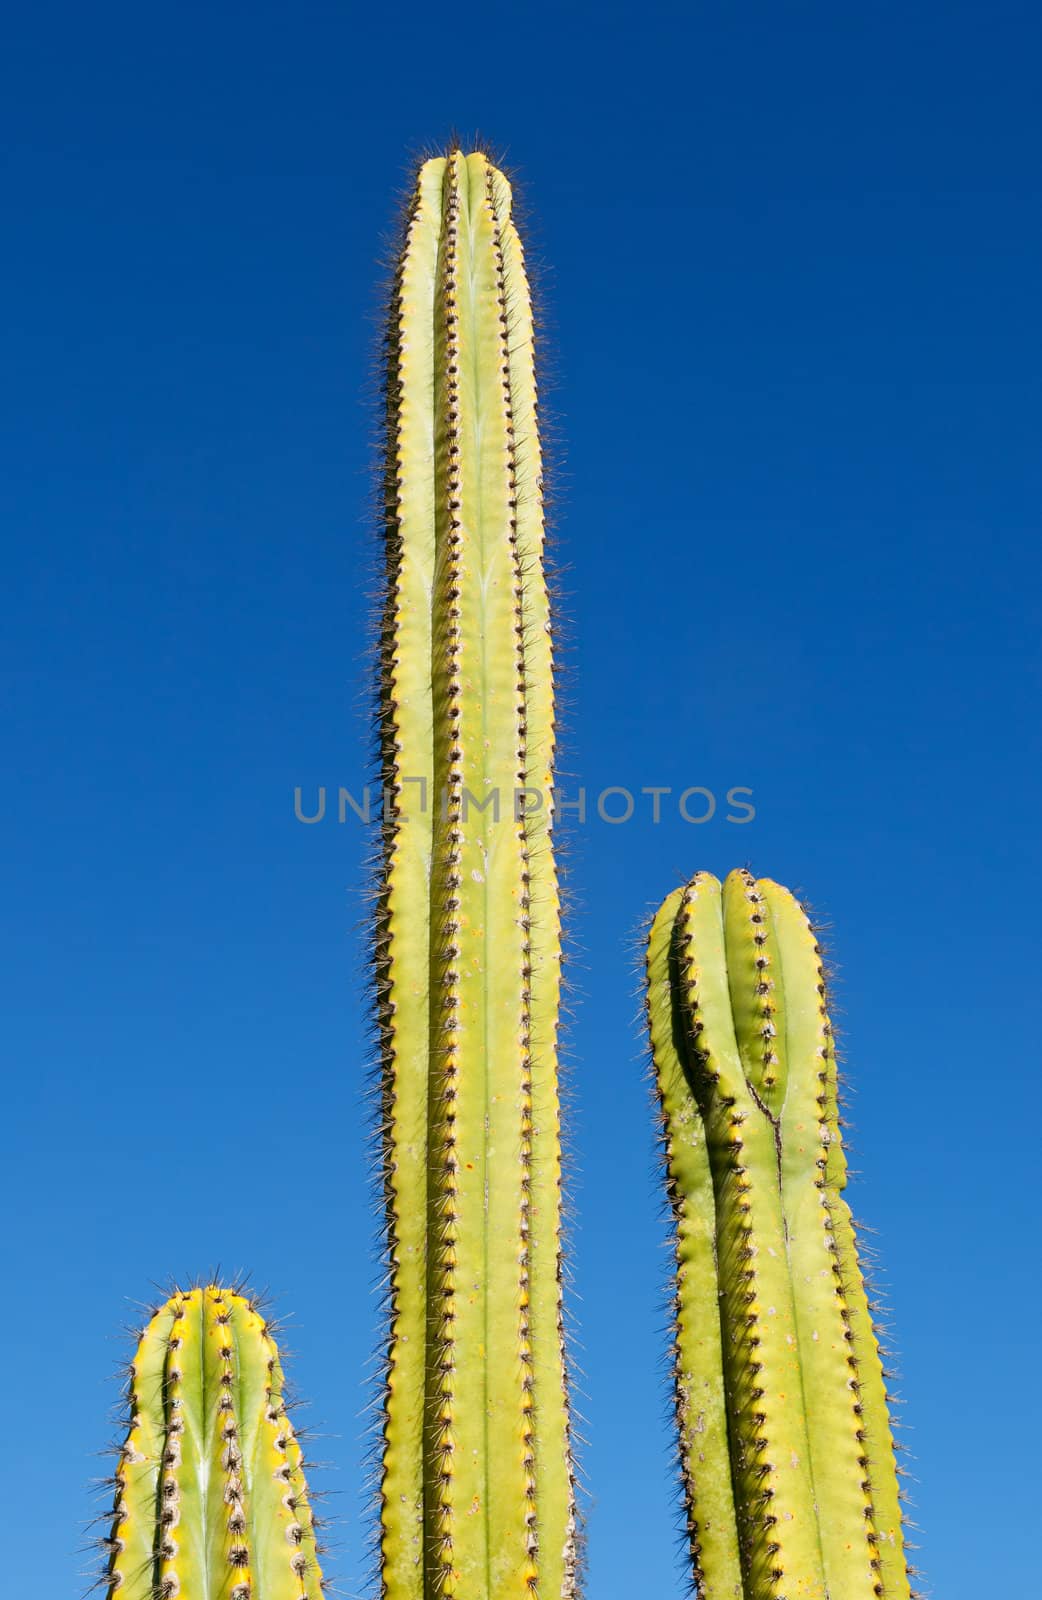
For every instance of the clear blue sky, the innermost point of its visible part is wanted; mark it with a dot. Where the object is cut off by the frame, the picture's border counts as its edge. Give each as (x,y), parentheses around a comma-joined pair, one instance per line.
(791,266)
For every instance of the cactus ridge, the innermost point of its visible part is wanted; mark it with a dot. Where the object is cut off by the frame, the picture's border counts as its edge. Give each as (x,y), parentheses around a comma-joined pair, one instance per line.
(699,1411)
(745,1065)
(476,1477)
(210,1494)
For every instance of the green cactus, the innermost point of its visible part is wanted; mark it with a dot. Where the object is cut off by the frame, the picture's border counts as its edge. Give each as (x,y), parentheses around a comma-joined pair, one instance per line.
(785,1445)
(787,1454)
(210,1491)
(476,1493)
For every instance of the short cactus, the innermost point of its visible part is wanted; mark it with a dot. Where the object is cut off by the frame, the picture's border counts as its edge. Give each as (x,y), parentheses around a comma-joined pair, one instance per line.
(787,1454)
(210,1491)
(477,1496)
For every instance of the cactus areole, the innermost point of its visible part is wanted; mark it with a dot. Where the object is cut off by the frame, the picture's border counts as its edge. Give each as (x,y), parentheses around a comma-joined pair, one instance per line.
(477,1498)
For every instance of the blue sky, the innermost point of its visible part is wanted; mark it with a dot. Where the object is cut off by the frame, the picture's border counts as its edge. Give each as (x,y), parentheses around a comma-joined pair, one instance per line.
(790,267)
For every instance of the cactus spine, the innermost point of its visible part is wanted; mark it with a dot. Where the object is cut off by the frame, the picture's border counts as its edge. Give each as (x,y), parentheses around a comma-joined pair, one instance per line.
(210,1491)
(476,1493)
(788,1463)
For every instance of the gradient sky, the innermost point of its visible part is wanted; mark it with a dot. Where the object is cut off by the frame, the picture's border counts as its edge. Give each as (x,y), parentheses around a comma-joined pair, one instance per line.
(790,264)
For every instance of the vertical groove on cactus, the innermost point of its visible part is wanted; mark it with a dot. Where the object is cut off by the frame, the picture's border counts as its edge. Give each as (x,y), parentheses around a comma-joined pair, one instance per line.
(746,1073)
(476,1489)
(210,1490)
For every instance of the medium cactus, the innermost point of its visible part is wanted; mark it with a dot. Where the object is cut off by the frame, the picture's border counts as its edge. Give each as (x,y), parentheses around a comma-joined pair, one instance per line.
(787,1455)
(476,1487)
(210,1492)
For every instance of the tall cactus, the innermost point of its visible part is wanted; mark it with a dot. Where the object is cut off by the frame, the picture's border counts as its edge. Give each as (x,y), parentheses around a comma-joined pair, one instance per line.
(786,1447)
(477,1495)
(210,1491)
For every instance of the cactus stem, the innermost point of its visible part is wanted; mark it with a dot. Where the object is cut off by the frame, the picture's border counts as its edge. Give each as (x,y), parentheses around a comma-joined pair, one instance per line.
(476,1486)
(210,1492)
(812,1469)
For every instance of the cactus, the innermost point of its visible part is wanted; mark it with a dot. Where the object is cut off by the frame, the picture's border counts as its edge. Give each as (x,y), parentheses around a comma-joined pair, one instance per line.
(210,1491)
(476,1483)
(787,1455)
(785,1446)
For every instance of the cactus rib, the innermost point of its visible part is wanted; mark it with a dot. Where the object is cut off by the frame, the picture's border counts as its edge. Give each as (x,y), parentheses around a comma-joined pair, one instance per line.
(812,1468)
(476,1488)
(210,1497)
(698,1386)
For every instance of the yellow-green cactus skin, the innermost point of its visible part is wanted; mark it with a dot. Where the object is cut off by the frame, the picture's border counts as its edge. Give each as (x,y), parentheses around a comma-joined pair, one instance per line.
(476,1486)
(785,1441)
(211,1502)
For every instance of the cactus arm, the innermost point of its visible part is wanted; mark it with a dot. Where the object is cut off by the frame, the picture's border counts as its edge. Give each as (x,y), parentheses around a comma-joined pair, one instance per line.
(209,1460)
(133,1538)
(769,1451)
(556,1494)
(698,1358)
(403,963)
(851,1442)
